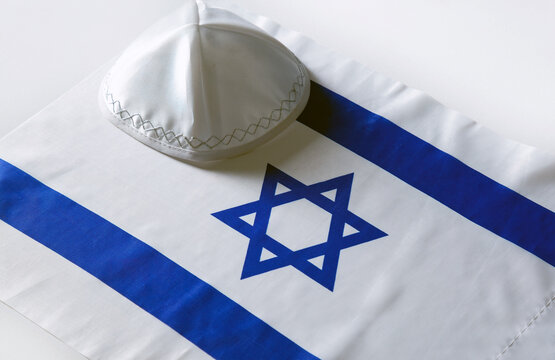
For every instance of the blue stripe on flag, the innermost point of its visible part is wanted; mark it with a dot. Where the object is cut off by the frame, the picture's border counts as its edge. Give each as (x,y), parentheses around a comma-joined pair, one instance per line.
(432,171)
(193,308)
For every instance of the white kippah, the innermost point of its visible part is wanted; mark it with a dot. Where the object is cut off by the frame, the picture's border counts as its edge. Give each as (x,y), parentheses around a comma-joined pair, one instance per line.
(204,84)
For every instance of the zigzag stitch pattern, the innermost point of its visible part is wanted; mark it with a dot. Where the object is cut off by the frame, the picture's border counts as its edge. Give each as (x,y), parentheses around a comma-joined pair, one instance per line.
(137,121)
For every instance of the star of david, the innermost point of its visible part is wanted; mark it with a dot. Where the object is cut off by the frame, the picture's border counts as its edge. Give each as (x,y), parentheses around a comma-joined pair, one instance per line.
(299,259)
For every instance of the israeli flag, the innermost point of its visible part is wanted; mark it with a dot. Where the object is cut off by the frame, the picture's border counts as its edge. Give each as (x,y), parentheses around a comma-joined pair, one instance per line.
(378,225)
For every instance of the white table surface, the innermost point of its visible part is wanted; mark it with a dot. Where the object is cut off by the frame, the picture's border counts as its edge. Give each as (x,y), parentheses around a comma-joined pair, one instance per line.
(492,60)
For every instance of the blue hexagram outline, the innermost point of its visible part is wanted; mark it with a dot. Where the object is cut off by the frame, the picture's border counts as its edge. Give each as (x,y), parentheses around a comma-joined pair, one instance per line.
(299,259)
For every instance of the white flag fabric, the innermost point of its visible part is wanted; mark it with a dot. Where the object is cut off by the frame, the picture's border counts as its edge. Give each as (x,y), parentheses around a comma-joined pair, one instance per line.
(378,225)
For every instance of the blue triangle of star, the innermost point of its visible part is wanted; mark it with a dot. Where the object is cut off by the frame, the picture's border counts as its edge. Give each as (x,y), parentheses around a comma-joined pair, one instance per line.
(299,259)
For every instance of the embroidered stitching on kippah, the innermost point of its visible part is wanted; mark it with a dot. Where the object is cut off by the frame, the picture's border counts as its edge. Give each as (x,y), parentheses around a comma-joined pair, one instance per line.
(181,141)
